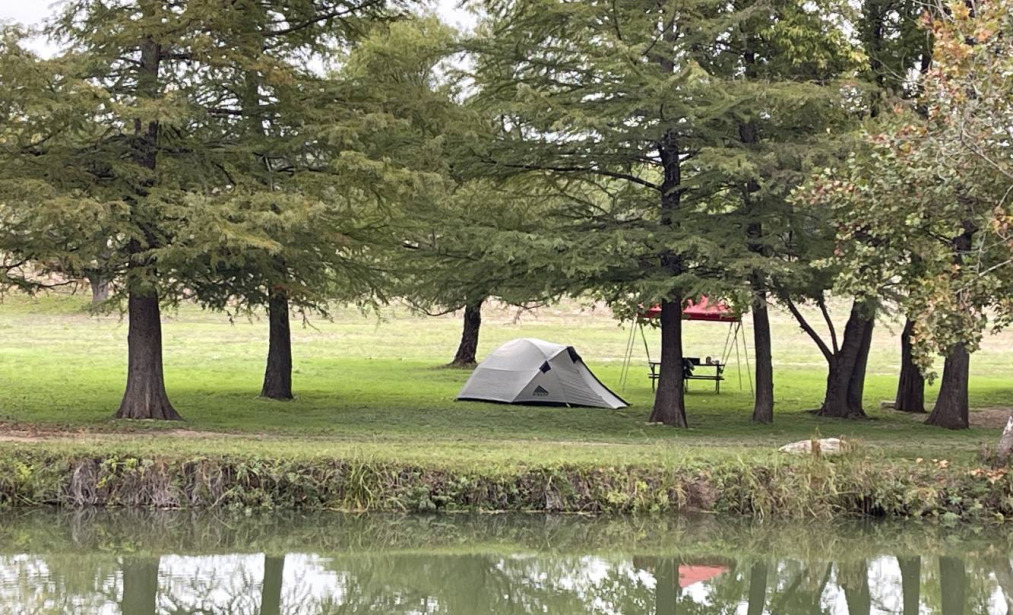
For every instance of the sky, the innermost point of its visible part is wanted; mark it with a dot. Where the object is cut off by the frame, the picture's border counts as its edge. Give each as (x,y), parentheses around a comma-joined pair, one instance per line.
(32,12)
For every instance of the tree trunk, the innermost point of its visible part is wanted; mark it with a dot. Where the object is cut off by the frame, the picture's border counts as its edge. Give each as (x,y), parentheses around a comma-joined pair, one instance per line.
(835,398)
(846,372)
(140,586)
(99,287)
(854,580)
(278,375)
(145,397)
(911,574)
(468,348)
(952,585)
(666,586)
(757,589)
(270,589)
(952,410)
(911,388)
(669,402)
(856,383)
(763,403)
(473,581)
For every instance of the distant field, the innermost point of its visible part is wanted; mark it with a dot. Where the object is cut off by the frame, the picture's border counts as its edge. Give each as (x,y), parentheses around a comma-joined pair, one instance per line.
(374,384)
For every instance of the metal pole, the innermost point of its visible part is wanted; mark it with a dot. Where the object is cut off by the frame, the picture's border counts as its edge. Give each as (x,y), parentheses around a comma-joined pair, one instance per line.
(627,357)
(745,351)
(647,349)
(738,363)
(726,351)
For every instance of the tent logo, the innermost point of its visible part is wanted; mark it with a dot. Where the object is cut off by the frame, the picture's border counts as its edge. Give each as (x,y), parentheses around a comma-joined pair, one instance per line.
(540,392)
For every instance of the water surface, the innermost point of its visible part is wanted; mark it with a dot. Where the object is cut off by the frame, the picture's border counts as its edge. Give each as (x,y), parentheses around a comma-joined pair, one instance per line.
(186,564)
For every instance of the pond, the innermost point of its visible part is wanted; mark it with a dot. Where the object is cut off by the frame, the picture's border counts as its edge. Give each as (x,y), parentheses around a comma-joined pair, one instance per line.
(143,563)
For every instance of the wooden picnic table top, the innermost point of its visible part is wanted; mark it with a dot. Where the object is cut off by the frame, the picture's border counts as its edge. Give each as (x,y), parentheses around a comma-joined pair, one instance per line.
(696,362)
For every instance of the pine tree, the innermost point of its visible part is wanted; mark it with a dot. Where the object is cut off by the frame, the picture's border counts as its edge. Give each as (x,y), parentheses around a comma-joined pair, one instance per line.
(654,109)
(459,253)
(303,206)
(134,139)
(795,60)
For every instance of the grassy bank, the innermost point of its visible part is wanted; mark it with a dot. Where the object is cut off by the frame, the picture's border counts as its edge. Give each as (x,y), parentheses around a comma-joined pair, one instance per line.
(369,379)
(375,424)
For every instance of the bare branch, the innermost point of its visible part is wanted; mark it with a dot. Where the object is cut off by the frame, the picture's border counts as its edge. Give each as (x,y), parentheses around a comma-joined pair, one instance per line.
(830,323)
(613,174)
(807,327)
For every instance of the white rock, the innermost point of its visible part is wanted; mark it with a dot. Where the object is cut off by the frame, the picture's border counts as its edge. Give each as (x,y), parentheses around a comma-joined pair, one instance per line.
(827,446)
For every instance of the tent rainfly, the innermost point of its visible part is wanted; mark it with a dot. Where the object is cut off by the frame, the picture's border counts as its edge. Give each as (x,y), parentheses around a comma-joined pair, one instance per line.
(536,372)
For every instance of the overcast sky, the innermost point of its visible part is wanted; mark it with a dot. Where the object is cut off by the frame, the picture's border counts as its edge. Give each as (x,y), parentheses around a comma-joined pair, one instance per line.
(32,12)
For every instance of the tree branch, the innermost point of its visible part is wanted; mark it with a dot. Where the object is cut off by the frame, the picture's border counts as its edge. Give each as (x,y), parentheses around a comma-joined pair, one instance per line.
(807,327)
(335,14)
(613,174)
(830,323)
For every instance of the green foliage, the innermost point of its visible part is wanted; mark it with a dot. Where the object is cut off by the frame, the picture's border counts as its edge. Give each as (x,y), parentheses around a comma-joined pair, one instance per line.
(920,207)
(221,163)
(627,112)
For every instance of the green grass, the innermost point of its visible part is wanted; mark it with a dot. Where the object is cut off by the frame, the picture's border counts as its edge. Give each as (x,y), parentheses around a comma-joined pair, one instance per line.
(375,387)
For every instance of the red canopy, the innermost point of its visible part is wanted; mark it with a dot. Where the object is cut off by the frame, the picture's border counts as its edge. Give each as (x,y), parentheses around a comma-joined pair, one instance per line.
(690,575)
(703,310)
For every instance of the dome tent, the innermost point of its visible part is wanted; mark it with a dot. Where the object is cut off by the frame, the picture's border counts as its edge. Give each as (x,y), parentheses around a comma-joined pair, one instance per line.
(532,371)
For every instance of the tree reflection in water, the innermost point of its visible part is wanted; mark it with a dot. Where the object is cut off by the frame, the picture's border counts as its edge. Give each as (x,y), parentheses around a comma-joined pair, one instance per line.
(161,564)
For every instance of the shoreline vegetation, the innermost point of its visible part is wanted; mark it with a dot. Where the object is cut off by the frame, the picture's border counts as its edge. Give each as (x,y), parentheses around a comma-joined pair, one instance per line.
(778,487)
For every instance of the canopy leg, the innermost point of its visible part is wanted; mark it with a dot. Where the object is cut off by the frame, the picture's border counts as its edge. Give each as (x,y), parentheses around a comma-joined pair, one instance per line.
(745,352)
(726,350)
(624,373)
(738,362)
(647,351)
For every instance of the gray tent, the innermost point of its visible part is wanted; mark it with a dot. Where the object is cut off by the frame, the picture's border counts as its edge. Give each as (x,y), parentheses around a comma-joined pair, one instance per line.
(531,371)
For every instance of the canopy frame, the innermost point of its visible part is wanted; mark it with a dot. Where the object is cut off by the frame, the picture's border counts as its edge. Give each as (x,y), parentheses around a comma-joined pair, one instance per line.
(704,312)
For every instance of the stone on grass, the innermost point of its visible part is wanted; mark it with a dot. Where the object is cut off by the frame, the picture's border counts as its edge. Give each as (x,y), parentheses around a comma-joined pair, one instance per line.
(823,446)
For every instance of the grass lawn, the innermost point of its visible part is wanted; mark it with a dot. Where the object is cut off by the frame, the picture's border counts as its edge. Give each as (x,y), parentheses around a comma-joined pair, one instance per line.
(376,387)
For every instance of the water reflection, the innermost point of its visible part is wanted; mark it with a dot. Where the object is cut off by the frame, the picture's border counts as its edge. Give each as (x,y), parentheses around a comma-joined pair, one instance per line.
(158,563)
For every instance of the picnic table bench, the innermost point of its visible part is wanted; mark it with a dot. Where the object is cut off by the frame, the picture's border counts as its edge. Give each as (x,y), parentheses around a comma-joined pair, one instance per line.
(689,365)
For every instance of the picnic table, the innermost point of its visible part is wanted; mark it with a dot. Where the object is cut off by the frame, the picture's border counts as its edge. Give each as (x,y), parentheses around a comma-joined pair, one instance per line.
(690,367)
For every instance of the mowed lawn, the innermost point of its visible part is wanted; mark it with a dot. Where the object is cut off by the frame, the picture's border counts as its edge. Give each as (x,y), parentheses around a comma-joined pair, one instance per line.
(376,385)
